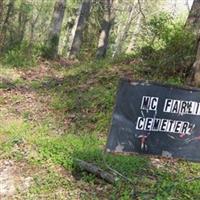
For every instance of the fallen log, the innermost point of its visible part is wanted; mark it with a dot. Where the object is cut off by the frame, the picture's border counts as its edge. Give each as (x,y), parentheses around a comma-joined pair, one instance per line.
(97,171)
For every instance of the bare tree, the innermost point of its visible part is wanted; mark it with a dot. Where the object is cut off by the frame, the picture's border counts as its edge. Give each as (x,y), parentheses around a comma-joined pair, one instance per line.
(77,31)
(108,20)
(55,28)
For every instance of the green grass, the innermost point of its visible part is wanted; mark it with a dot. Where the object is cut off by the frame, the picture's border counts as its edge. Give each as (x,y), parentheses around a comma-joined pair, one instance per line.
(80,103)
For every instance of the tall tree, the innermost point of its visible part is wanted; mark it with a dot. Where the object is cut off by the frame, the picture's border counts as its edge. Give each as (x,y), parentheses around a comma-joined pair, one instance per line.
(9,13)
(193,20)
(55,29)
(124,31)
(1,9)
(196,68)
(193,23)
(1,18)
(5,25)
(22,20)
(77,31)
(71,18)
(135,33)
(108,20)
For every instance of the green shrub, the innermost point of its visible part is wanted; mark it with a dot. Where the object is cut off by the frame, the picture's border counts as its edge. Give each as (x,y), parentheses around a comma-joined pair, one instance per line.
(167,46)
(49,50)
(21,56)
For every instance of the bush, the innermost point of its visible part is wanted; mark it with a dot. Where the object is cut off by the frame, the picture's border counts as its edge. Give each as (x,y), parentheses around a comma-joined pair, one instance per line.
(167,46)
(21,56)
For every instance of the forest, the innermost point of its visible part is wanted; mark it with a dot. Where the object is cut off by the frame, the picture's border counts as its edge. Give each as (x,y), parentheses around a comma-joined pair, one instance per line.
(60,65)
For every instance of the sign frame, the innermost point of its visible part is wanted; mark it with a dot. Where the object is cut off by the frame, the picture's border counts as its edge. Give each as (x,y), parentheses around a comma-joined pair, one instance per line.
(146,83)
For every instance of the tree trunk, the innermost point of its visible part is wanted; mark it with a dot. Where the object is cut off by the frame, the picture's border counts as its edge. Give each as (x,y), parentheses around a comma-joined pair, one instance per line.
(33,23)
(69,27)
(108,20)
(137,29)
(1,18)
(196,68)
(122,36)
(1,10)
(22,21)
(8,15)
(5,24)
(55,29)
(77,31)
(66,41)
(193,20)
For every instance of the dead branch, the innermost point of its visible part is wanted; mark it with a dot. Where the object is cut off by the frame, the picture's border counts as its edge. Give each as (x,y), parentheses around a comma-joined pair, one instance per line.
(97,171)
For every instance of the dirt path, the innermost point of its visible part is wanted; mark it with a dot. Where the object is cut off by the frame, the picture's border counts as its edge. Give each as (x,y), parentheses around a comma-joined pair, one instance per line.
(24,108)
(18,102)
(13,178)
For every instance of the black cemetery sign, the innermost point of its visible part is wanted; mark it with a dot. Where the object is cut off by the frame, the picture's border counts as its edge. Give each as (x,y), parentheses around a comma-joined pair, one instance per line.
(156,119)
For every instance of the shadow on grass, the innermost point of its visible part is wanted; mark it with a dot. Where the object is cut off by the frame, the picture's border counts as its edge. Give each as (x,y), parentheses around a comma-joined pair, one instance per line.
(150,182)
(126,165)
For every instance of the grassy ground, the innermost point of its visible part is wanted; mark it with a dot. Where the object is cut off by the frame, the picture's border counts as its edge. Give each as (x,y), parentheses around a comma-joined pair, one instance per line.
(52,114)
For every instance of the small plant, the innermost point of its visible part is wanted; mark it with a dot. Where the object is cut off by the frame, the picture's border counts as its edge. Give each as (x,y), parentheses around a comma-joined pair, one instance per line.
(20,56)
